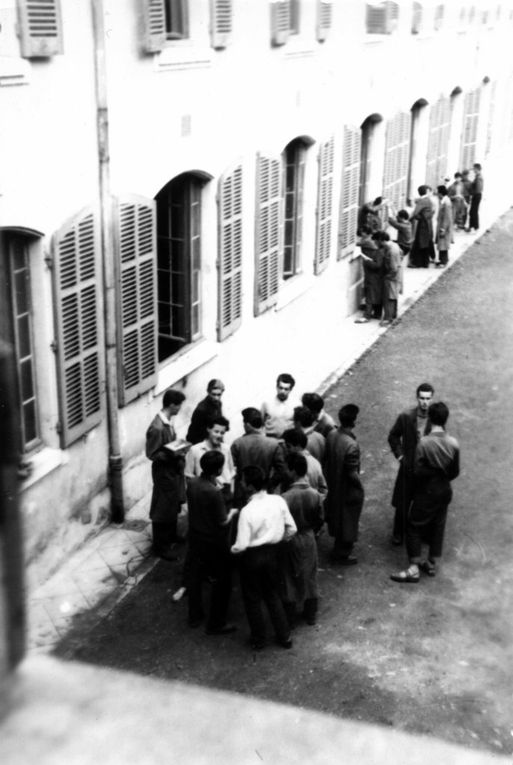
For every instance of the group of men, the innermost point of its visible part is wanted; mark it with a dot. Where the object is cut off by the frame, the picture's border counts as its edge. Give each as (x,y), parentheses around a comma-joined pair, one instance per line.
(260,504)
(431,222)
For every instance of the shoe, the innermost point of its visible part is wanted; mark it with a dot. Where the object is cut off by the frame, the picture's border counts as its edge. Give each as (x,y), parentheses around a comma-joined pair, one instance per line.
(178,595)
(406,577)
(347,560)
(396,541)
(285,642)
(226,629)
(194,623)
(385,322)
(165,555)
(310,620)
(428,567)
(363,320)
(256,645)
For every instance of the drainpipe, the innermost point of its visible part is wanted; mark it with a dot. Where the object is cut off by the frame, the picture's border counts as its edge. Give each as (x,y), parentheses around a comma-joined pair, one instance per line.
(109,275)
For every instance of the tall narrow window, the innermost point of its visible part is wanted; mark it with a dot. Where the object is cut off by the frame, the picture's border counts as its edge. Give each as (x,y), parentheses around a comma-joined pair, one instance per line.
(470,121)
(179,263)
(16,315)
(294,15)
(438,142)
(294,161)
(381,17)
(177,22)
(397,151)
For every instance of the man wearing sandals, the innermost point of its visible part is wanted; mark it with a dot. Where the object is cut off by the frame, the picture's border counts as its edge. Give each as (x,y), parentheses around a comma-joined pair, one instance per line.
(437,463)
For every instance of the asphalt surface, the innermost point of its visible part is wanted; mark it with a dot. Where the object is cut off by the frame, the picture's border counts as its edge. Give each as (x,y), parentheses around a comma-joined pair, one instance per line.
(434,658)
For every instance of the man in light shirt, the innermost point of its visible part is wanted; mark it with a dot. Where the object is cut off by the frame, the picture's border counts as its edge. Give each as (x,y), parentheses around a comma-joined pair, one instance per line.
(278,413)
(263,523)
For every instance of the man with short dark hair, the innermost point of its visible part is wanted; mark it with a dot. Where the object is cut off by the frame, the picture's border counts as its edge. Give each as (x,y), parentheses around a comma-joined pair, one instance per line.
(345,491)
(295,441)
(403,438)
(299,559)
(278,413)
(437,463)
(210,406)
(315,441)
(254,448)
(476,191)
(423,249)
(217,427)
(209,551)
(263,523)
(324,422)
(167,473)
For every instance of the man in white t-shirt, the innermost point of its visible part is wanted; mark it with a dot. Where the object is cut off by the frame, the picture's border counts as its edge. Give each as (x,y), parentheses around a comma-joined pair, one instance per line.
(278,413)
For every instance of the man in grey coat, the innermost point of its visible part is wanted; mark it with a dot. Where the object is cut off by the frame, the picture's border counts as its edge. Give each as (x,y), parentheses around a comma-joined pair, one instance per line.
(444,226)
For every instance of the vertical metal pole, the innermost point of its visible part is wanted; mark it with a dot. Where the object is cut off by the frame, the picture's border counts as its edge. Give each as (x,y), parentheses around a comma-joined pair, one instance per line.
(109,271)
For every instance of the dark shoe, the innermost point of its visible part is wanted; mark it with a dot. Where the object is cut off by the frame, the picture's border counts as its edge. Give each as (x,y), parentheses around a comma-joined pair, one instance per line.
(311,620)
(256,645)
(165,555)
(347,560)
(428,567)
(194,623)
(285,642)
(406,577)
(226,629)
(396,541)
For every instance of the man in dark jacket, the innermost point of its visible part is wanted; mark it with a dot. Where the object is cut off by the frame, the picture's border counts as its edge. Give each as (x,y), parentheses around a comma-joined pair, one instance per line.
(167,474)
(344,502)
(403,439)
(437,463)
(208,408)
(476,191)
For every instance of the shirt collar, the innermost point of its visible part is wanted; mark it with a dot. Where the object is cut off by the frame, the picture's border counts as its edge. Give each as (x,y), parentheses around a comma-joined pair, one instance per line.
(164,418)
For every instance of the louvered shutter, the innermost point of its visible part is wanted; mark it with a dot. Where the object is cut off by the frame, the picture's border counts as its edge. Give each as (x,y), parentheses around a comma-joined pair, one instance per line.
(78,323)
(230,253)
(491,115)
(40,26)
(438,141)
(221,13)
(324,15)
(417,18)
(269,238)
(350,191)
(381,18)
(324,206)
(469,136)
(154,15)
(439,17)
(280,21)
(136,251)
(397,149)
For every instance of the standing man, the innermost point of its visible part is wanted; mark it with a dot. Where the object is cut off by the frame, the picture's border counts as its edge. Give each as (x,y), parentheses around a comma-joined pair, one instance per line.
(209,548)
(476,192)
(444,226)
(216,430)
(253,448)
(299,559)
(295,441)
(263,523)
(391,277)
(315,441)
(409,427)
(209,407)
(278,413)
(422,250)
(167,473)
(372,261)
(437,463)
(345,491)
(323,422)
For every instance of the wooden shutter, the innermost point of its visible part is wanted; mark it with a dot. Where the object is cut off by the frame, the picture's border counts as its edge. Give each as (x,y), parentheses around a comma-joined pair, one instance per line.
(78,324)
(221,13)
(438,141)
(324,16)
(491,116)
(381,18)
(280,21)
(230,253)
(417,18)
(350,191)
(40,26)
(439,17)
(397,149)
(324,206)
(136,255)
(154,15)
(469,136)
(268,243)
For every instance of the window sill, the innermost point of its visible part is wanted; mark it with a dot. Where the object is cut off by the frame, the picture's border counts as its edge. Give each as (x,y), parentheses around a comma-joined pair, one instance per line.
(182,55)
(43,463)
(13,71)
(292,289)
(185,362)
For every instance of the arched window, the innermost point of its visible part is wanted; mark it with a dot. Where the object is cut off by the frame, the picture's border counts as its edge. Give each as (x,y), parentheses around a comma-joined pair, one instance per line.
(294,175)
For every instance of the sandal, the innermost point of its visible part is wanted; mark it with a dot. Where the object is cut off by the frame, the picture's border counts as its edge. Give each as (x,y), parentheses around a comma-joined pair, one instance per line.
(409,576)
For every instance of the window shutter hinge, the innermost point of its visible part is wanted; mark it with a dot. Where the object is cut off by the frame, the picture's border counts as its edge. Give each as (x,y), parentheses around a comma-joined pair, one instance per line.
(54,346)
(48,260)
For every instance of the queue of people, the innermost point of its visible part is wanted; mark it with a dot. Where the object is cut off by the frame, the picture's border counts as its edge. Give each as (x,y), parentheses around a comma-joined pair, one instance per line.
(259,505)
(424,235)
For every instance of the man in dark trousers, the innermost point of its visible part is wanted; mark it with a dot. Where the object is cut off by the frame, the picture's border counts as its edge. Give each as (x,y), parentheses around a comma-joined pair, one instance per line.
(209,545)
(437,463)
(403,439)
(167,472)
(344,502)
(476,191)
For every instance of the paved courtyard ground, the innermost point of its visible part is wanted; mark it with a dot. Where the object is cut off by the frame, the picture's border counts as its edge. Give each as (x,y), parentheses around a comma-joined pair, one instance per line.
(434,658)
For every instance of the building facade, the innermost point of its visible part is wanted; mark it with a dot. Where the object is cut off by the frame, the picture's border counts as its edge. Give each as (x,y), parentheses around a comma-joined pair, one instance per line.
(179,188)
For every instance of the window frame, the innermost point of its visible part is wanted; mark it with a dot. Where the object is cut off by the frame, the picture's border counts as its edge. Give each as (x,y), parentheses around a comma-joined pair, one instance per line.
(298,166)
